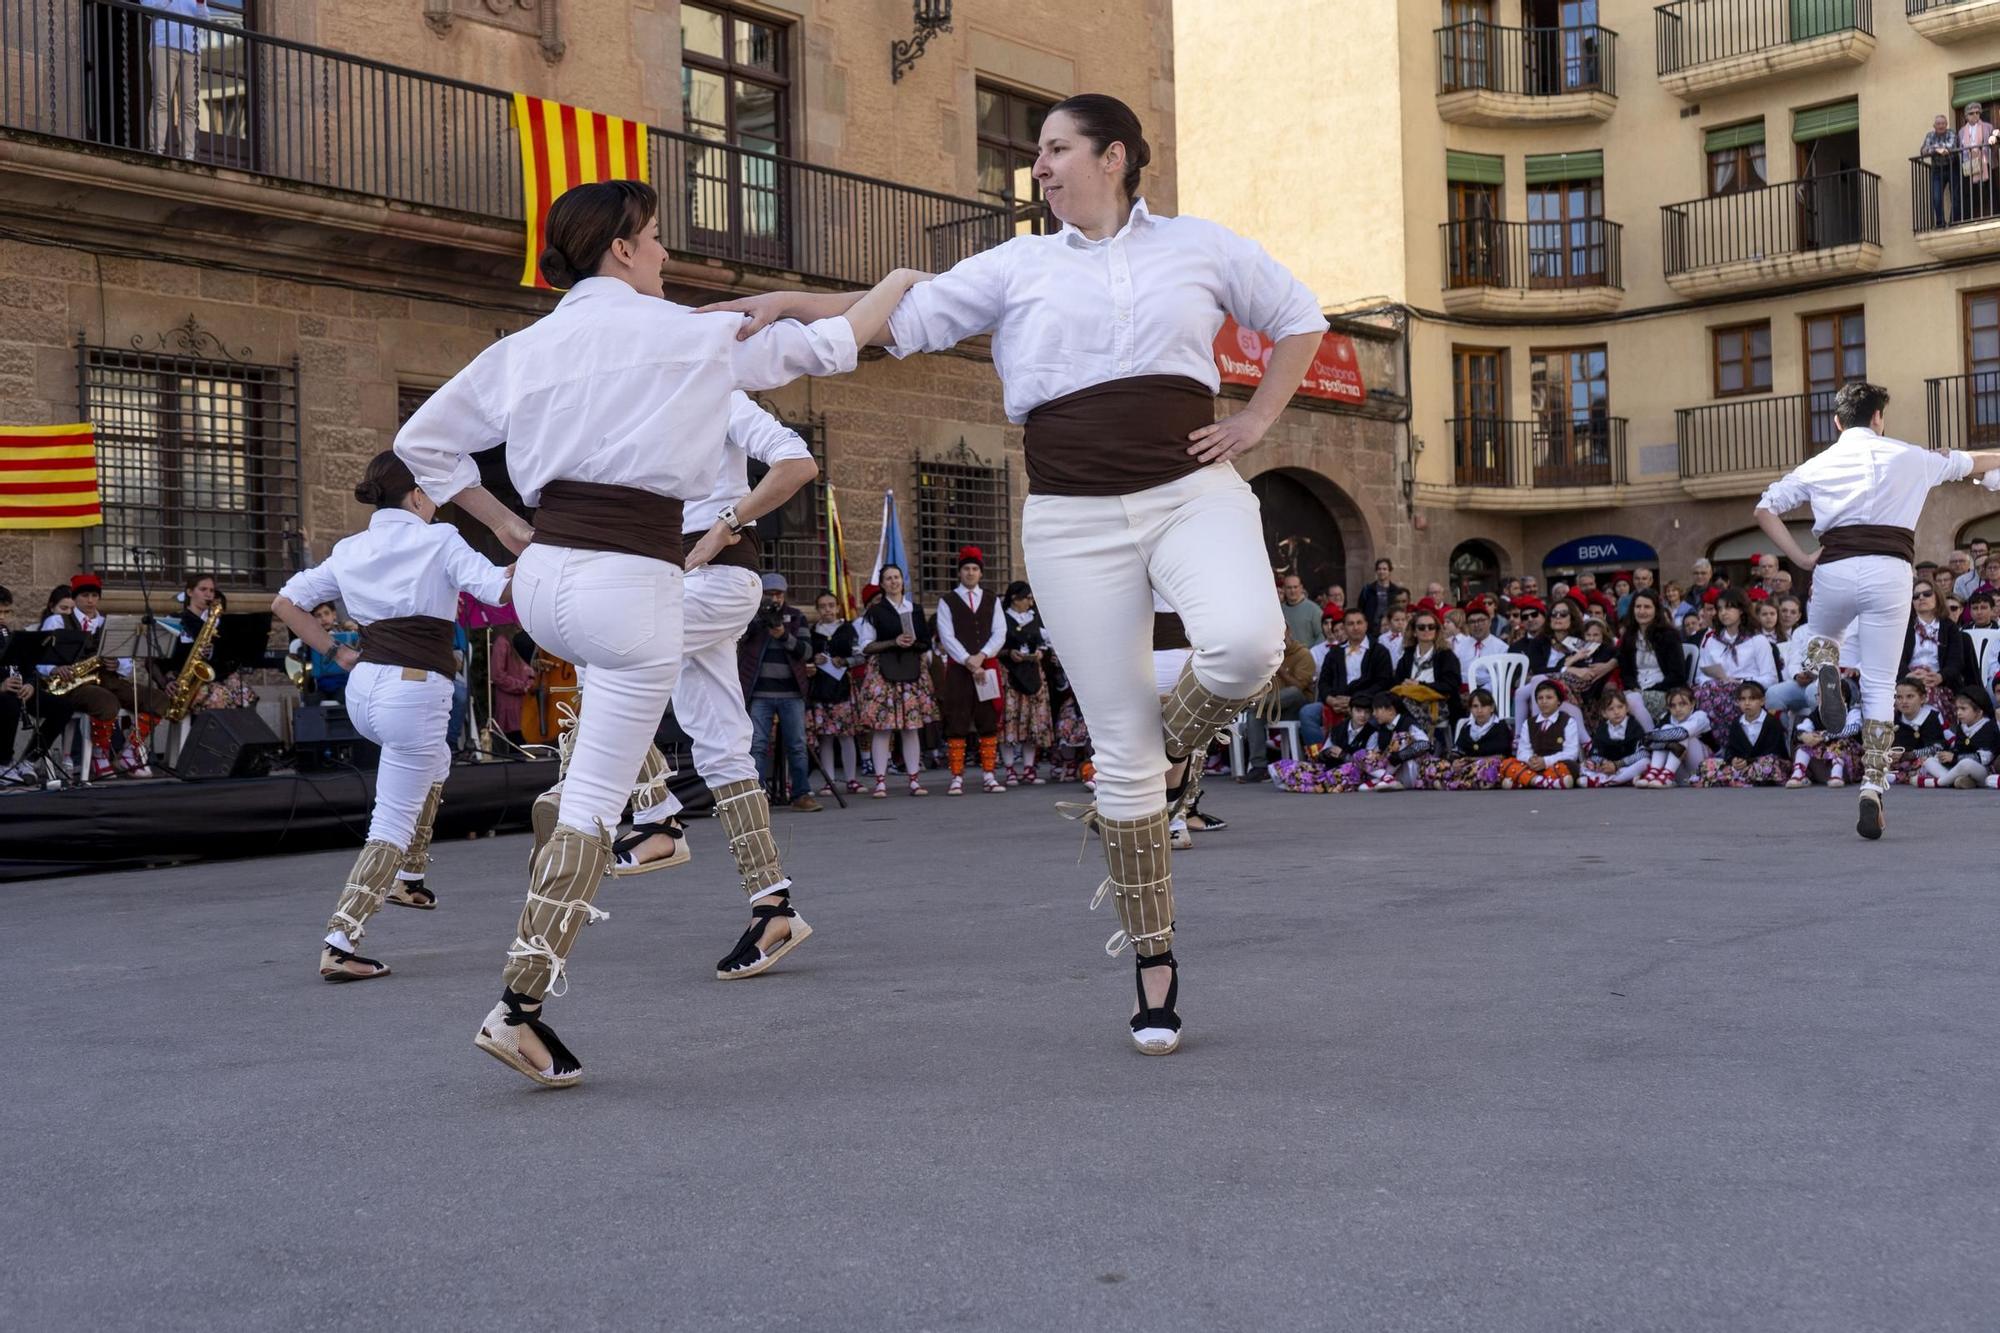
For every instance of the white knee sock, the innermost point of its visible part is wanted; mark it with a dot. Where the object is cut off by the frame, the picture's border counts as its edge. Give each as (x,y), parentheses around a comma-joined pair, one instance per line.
(878,747)
(911,758)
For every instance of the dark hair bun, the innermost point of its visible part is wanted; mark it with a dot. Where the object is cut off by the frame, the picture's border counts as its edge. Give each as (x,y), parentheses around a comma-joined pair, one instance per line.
(557,269)
(369,492)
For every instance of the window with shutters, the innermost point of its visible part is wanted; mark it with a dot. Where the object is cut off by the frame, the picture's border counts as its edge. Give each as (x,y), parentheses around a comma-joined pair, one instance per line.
(1736,158)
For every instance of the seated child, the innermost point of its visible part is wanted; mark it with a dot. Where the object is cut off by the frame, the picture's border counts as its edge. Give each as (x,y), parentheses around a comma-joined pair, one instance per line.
(1321,769)
(1753,751)
(1402,741)
(1676,744)
(1968,761)
(1480,744)
(1820,758)
(1548,746)
(1617,753)
(1920,732)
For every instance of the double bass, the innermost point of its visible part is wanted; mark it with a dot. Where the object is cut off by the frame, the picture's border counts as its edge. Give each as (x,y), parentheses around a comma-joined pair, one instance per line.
(555,684)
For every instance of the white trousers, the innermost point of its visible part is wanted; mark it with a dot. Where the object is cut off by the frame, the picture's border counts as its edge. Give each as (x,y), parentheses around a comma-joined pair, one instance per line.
(718,602)
(175,78)
(1868,597)
(1095,562)
(619,616)
(408,719)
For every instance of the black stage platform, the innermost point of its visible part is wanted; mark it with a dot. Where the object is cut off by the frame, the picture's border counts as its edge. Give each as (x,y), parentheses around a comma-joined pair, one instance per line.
(121,824)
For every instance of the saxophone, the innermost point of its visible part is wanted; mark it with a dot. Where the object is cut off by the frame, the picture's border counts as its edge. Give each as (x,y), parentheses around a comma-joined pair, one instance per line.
(75,675)
(196,673)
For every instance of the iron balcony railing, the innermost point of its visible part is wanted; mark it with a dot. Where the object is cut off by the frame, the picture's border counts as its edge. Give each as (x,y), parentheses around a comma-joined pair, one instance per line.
(1912,8)
(1543,454)
(80,70)
(1534,256)
(1953,188)
(1754,435)
(1532,62)
(1839,208)
(1964,410)
(1695,32)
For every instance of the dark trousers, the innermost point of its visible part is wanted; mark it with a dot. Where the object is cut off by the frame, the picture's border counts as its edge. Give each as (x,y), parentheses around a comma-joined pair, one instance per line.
(790,714)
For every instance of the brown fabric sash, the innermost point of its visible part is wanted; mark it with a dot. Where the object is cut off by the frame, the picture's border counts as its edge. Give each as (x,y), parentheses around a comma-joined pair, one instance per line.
(1169,633)
(1866,539)
(423,642)
(1118,437)
(746,553)
(587,516)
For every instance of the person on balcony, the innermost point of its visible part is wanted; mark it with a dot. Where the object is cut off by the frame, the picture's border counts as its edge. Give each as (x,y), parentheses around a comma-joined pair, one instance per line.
(176,69)
(1939,155)
(1975,166)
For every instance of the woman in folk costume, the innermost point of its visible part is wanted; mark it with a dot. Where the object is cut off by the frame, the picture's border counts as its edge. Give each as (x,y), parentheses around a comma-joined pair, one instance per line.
(400,579)
(896,695)
(615,409)
(1867,492)
(1103,337)
(1028,726)
(971,631)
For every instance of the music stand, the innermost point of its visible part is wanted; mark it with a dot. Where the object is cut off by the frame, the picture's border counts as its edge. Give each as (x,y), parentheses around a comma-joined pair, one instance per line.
(28,649)
(242,642)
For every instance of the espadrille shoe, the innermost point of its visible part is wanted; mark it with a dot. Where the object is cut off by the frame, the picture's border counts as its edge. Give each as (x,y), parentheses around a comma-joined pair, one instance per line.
(625,851)
(333,965)
(749,958)
(411,893)
(500,1037)
(1157,1030)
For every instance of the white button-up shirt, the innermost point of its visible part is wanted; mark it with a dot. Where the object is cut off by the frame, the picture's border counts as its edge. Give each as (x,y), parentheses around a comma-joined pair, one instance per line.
(610,387)
(1863,477)
(399,566)
(971,599)
(1067,312)
(753,433)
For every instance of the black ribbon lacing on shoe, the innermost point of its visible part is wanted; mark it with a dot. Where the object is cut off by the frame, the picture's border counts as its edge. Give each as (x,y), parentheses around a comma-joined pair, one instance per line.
(1163,1016)
(561,1060)
(746,953)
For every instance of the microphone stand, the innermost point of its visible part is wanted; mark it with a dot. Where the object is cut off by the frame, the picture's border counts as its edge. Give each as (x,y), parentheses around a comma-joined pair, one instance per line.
(143,639)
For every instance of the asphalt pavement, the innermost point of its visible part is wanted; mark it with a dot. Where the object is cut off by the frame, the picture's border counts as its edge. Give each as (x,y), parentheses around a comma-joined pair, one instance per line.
(1536,1061)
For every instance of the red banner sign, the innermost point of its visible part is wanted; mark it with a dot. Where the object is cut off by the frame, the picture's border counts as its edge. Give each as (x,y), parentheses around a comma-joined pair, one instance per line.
(1335,374)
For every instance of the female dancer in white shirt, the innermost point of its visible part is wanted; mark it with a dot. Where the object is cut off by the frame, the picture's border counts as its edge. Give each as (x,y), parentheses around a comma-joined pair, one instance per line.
(1103,337)
(614,408)
(400,579)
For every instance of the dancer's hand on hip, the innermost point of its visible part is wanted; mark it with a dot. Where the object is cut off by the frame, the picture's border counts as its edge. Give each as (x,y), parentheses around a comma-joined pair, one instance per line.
(712,544)
(1229,438)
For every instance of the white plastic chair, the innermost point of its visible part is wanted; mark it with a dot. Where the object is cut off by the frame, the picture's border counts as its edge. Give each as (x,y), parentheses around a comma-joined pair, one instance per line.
(1783,652)
(1288,739)
(1692,651)
(1987,642)
(1501,673)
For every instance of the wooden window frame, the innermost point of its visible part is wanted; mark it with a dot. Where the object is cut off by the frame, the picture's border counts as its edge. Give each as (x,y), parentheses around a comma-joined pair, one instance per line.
(1821,428)
(778,79)
(1029,216)
(1747,361)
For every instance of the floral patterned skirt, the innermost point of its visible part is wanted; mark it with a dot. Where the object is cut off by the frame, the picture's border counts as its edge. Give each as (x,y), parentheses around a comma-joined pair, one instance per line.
(888,706)
(1461,774)
(1311,776)
(837,719)
(1766,770)
(1070,727)
(1717,698)
(1028,720)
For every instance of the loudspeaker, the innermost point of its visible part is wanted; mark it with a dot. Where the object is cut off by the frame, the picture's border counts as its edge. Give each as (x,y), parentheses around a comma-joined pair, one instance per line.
(227,743)
(326,738)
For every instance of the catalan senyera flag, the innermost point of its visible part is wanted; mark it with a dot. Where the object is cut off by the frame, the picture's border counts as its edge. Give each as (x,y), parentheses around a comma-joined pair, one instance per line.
(562,146)
(838,580)
(48,477)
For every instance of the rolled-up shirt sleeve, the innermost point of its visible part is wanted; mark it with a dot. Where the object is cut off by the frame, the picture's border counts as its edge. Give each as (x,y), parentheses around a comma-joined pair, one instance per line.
(776,355)
(962,302)
(1262,294)
(1785,494)
(439,439)
(1951,465)
(472,572)
(309,587)
(761,435)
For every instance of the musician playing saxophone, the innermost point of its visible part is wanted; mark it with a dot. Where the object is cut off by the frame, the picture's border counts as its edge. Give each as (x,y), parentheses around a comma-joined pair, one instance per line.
(110,691)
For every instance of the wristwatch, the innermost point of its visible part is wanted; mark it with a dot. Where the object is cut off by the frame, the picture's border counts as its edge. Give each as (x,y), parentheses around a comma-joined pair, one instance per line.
(728,515)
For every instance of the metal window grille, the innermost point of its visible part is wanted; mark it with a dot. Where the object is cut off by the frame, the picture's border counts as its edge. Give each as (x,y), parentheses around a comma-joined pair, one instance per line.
(197,460)
(410,397)
(798,549)
(962,501)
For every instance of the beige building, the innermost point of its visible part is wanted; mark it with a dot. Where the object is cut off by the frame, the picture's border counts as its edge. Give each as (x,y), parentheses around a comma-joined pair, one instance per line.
(248,315)
(1637,246)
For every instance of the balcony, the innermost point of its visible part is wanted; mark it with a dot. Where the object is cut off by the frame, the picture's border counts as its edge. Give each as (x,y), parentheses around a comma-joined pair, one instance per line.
(1964,411)
(1556,463)
(1703,46)
(1826,226)
(271,111)
(1955,205)
(1532,268)
(1489,75)
(1737,448)
(1952,20)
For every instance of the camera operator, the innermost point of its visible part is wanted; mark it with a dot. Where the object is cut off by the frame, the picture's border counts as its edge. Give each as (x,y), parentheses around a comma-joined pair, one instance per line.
(772,657)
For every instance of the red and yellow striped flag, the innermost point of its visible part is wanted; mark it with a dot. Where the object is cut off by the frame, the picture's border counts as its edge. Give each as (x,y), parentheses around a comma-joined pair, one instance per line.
(48,477)
(838,580)
(562,146)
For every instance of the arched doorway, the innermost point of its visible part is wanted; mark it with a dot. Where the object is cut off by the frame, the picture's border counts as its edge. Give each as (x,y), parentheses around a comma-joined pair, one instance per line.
(1732,555)
(1302,535)
(1475,568)
(1986,527)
